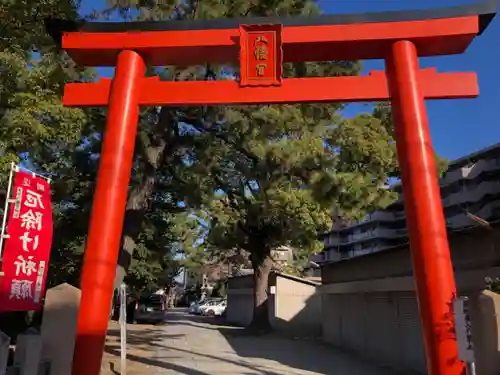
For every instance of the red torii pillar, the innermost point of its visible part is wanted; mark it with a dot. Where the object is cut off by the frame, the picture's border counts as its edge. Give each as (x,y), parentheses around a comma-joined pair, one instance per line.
(397,37)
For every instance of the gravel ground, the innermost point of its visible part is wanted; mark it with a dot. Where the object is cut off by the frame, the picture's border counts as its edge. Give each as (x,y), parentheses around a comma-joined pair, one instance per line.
(136,347)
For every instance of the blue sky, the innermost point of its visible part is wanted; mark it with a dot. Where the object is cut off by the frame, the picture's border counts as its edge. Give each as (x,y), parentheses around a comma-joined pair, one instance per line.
(458,127)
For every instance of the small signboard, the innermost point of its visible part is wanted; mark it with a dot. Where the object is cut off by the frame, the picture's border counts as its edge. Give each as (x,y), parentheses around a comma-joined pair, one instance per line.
(261,55)
(463,329)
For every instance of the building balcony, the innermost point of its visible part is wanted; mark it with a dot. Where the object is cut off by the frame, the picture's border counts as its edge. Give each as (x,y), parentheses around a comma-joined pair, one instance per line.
(400,214)
(319,258)
(390,233)
(360,252)
(376,216)
(359,236)
(472,193)
(462,220)
(383,216)
(333,239)
(469,172)
(336,239)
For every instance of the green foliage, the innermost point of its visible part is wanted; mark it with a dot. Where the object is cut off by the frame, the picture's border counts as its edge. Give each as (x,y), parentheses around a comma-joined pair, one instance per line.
(282,170)
(206,9)
(365,157)
(65,142)
(162,238)
(32,74)
(179,169)
(35,128)
(383,112)
(297,267)
(267,176)
(493,284)
(22,23)
(220,289)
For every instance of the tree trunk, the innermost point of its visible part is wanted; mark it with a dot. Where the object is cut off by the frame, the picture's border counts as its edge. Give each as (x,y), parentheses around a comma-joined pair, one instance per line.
(134,215)
(261,270)
(139,197)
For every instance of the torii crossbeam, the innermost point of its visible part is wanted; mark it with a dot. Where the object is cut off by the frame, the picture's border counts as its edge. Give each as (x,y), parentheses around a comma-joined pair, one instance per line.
(262,45)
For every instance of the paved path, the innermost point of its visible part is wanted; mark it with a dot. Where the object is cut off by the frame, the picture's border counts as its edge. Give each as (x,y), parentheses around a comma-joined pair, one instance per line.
(196,346)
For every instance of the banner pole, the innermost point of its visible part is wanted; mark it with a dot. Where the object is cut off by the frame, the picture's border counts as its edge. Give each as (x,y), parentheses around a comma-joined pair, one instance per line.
(48,179)
(6,206)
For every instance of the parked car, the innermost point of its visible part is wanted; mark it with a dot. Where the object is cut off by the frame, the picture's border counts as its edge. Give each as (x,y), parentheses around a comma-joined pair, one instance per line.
(207,305)
(216,308)
(195,307)
(130,306)
(150,309)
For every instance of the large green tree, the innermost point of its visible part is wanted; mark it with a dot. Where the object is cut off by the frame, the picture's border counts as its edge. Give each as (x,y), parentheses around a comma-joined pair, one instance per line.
(167,141)
(276,172)
(33,122)
(264,176)
(163,230)
(36,130)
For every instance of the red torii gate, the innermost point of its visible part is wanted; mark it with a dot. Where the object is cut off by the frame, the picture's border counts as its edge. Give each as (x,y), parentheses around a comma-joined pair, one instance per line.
(398,37)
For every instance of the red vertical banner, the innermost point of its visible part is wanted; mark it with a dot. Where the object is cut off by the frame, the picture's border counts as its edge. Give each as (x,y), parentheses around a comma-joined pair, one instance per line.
(28,244)
(261,55)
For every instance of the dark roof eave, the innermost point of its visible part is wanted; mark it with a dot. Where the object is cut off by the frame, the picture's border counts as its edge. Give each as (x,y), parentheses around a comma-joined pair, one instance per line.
(485,9)
(286,276)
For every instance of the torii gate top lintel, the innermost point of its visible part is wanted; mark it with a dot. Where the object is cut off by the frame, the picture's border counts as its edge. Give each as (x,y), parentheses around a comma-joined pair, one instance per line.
(440,31)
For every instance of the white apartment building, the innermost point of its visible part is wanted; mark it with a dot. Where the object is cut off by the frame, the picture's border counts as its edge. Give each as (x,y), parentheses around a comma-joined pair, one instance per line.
(471,184)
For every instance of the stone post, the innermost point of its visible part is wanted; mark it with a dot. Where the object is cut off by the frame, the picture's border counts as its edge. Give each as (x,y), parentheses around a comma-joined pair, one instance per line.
(27,357)
(59,327)
(4,352)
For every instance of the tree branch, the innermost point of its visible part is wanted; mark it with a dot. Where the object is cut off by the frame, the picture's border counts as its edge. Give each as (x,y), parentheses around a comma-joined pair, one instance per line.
(201,127)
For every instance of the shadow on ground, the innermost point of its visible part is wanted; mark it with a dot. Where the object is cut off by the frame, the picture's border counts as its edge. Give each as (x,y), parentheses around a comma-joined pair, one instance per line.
(297,354)
(300,355)
(205,322)
(163,362)
(114,350)
(152,340)
(303,354)
(144,338)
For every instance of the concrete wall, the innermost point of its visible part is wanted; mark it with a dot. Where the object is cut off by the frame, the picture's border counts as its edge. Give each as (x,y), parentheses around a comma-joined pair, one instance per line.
(298,307)
(369,304)
(383,327)
(294,304)
(239,309)
(485,316)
